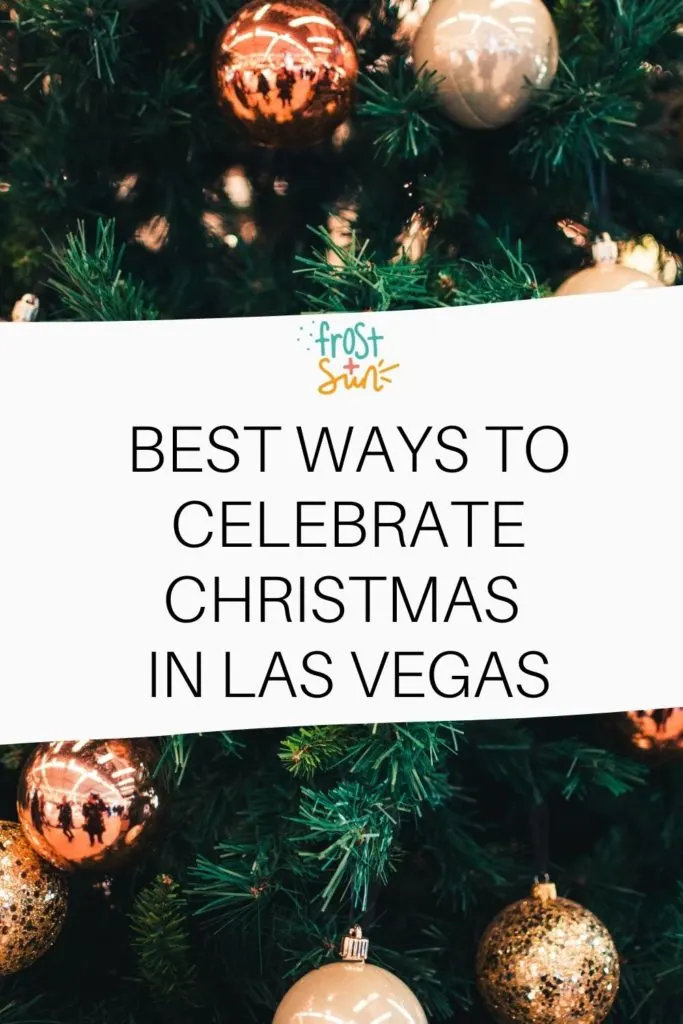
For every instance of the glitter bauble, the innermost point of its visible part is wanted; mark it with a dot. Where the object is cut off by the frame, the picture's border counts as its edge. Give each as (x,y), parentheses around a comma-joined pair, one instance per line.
(350,992)
(655,733)
(487,56)
(547,960)
(90,803)
(33,901)
(286,72)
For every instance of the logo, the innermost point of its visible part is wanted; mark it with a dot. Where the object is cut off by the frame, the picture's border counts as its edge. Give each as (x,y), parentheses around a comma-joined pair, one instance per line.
(350,359)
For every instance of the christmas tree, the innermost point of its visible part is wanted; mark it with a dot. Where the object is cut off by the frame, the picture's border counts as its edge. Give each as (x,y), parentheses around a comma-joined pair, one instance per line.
(274,842)
(126,194)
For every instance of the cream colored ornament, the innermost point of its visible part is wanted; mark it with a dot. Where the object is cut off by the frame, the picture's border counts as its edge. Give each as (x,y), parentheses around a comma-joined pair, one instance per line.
(350,992)
(487,56)
(607,274)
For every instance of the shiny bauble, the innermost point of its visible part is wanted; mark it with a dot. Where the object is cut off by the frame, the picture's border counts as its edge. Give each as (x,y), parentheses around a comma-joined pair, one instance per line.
(547,960)
(33,901)
(607,277)
(486,57)
(654,734)
(90,804)
(350,992)
(286,72)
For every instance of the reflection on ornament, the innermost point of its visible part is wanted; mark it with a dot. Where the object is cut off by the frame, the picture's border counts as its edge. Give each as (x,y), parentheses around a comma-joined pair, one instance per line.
(487,56)
(658,732)
(153,235)
(412,242)
(607,274)
(126,187)
(649,257)
(89,803)
(33,902)
(575,232)
(340,224)
(350,992)
(547,960)
(410,14)
(286,72)
(237,188)
(215,225)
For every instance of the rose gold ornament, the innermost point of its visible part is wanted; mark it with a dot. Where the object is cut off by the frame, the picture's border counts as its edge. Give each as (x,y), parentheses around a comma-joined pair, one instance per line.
(33,901)
(547,960)
(90,803)
(658,733)
(486,56)
(607,274)
(350,992)
(286,72)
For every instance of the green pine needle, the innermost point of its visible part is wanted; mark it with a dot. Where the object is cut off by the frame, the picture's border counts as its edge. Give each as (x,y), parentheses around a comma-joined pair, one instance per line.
(162,946)
(91,283)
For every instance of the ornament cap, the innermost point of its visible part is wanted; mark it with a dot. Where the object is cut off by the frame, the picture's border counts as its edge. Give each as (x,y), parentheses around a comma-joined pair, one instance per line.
(354,948)
(544,890)
(605,250)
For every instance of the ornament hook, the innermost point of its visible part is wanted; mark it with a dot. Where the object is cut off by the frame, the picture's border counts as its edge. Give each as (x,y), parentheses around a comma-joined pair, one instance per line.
(543,889)
(354,948)
(605,250)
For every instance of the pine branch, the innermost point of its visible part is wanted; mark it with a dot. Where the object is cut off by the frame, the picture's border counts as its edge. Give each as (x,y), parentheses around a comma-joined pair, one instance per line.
(82,39)
(310,750)
(468,283)
(576,123)
(445,191)
(91,283)
(589,767)
(238,884)
(162,946)
(358,283)
(12,757)
(17,1012)
(355,828)
(405,114)
(406,760)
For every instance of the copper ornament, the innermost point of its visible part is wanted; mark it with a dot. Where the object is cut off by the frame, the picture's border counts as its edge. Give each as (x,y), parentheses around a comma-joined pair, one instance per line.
(33,901)
(286,72)
(547,960)
(655,732)
(350,992)
(90,804)
(487,56)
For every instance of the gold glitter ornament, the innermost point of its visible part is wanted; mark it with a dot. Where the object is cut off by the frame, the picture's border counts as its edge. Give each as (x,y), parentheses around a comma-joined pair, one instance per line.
(286,72)
(350,992)
(487,56)
(547,960)
(90,804)
(33,901)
